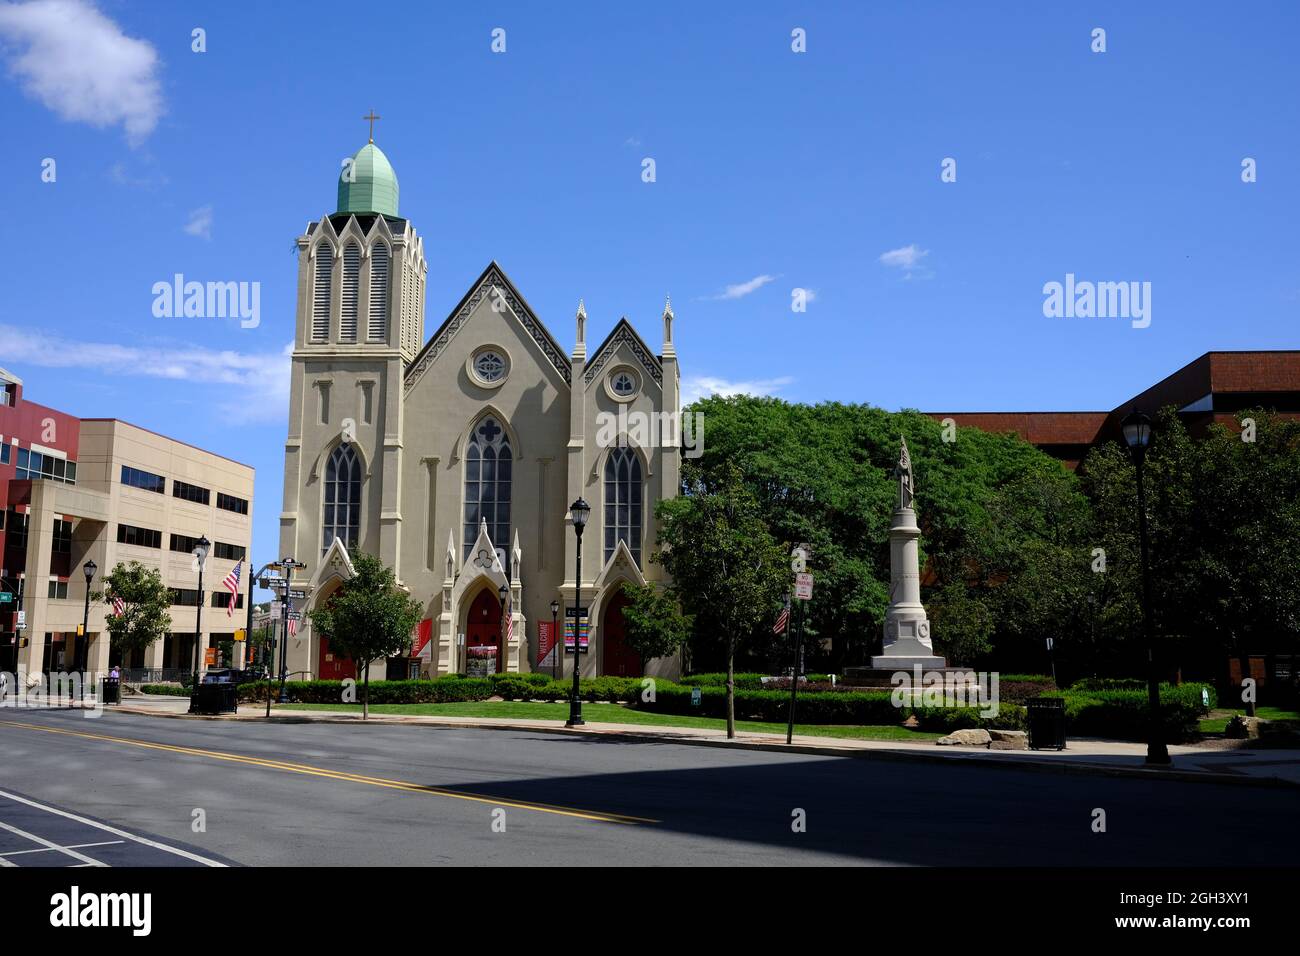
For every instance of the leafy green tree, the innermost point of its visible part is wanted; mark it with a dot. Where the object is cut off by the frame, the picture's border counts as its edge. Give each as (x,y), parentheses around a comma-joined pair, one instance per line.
(369,618)
(728,571)
(144,619)
(655,623)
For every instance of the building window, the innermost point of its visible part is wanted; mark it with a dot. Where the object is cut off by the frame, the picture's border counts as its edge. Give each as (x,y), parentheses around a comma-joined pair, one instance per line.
(16,536)
(221,599)
(35,466)
(228,552)
(143,479)
(351,292)
(342,518)
(62,537)
(182,544)
(4,453)
(320,302)
(623,502)
(623,384)
(377,326)
(188,492)
(142,537)
(490,366)
(185,597)
(231,503)
(58,590)
(487,484)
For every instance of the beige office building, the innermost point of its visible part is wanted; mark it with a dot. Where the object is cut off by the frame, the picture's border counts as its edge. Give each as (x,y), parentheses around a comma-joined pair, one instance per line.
(137,496)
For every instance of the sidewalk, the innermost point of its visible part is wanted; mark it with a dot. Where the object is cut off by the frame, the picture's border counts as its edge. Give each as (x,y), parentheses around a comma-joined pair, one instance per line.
(1213,761)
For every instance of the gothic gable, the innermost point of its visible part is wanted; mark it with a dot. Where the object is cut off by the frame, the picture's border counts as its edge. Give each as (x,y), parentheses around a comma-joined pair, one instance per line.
(624,336)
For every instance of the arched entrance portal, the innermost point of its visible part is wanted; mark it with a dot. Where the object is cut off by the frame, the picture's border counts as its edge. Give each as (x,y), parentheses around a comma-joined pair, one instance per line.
(616,658)
(483,631)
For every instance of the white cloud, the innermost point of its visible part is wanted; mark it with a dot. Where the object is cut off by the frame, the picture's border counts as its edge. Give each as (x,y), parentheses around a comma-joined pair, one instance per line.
(695,387)
(906,258)
(740,290)
(257,383)
(80,64)
(200,223)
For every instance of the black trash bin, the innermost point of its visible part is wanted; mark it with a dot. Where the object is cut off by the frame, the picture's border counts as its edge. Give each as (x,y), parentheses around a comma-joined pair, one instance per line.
(1046,723)
(217,693)
(112,691)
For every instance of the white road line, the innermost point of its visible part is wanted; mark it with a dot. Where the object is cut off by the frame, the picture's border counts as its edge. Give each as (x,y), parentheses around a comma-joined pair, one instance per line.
(71,846)
(4,862)
(113,830)
(53,846)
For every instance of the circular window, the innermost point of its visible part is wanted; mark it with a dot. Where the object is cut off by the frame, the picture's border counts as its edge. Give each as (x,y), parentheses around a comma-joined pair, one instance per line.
(623,384)
(489,366)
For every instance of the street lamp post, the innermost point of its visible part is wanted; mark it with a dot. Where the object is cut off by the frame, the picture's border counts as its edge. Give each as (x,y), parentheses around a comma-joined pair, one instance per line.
(1137,435)
(502,593)
(555,640)
(579,511)
(289,565)
(83,651)
(201,557)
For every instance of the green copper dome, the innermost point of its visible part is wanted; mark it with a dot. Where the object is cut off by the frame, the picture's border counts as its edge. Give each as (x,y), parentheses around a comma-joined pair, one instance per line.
(368,184)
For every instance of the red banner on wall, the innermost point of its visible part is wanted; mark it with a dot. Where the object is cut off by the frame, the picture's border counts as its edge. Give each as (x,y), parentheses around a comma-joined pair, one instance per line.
(422,639)
(545,641)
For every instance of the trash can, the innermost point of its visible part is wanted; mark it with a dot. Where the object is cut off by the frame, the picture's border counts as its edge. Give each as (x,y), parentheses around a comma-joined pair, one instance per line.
(217,693)
(112,691)
(1046,723)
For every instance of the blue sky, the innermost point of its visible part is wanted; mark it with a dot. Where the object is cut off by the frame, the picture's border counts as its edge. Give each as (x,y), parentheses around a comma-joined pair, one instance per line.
(774,170)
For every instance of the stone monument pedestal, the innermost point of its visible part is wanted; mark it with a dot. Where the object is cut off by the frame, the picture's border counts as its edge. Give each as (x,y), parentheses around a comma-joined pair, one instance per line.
(907,630)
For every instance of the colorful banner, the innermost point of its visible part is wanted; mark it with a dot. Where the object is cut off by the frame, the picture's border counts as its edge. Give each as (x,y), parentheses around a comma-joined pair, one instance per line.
(570,615)
(422,640)
(545,642)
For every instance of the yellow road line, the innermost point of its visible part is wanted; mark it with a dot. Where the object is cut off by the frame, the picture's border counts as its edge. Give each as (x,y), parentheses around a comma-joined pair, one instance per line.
(304,769)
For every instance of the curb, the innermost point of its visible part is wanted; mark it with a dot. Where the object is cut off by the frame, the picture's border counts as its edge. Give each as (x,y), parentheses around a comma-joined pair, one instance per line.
(947,757)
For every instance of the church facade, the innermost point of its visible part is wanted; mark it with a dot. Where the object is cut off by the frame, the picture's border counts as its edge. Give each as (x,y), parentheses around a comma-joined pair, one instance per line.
(454,459)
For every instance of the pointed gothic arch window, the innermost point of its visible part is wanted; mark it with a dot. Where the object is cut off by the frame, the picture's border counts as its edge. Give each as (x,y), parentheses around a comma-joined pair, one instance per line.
(377,324)
(488,468)
(342,506)
(623,501)
(320,300)
(350,292)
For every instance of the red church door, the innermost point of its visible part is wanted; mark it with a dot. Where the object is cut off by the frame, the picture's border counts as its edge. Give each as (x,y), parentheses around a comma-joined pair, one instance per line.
(617,659)
(483,630)
(331,666)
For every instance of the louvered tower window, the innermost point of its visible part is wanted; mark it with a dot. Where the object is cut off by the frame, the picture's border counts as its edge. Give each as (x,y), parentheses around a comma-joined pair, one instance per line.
(351,291)
(320,302)
(378,323)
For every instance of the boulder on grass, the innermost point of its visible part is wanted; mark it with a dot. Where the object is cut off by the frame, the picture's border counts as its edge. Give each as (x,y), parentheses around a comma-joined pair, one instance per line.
(967,737)
(1243,728)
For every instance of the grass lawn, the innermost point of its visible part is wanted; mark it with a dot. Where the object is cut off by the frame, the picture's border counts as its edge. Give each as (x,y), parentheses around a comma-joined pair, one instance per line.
(620,714)
(1217,722)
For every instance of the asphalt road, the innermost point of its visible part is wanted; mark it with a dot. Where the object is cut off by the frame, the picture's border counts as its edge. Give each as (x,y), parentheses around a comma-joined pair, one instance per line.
(331,795)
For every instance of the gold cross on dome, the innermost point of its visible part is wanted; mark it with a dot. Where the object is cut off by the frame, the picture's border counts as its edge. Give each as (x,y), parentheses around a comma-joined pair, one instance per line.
(372,117)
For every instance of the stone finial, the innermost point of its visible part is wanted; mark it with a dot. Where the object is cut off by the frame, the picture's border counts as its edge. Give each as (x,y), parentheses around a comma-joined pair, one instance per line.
(582,323)
(668,320)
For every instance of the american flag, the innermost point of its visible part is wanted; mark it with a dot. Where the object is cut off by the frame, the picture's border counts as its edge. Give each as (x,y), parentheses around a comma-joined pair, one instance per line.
(293,623)
(782,620)
(232,583)
(119,607)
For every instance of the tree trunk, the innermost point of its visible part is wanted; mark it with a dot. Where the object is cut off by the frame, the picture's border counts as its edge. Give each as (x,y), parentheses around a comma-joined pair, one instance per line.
(731,690)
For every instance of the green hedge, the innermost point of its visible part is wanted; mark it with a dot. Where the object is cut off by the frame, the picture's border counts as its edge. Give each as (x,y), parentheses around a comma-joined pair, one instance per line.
(744,681)
(168,690)
(1121,714)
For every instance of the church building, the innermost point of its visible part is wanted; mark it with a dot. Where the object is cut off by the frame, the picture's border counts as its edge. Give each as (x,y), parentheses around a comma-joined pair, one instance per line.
(454,458)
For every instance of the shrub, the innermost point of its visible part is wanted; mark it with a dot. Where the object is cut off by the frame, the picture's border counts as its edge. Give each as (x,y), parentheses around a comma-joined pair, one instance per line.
(1121,714)
(170,690)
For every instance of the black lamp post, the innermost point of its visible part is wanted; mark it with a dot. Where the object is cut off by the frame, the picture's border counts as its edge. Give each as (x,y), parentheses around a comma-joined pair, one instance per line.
(201,556)
(555,640)
(502,592)
(1137,435)
(579,511)
(288,566)
(83,650)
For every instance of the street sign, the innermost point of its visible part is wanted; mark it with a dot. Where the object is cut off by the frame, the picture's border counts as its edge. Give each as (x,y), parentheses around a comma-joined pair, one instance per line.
(6,597)
(803,585)
(695,697)
(22,620)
